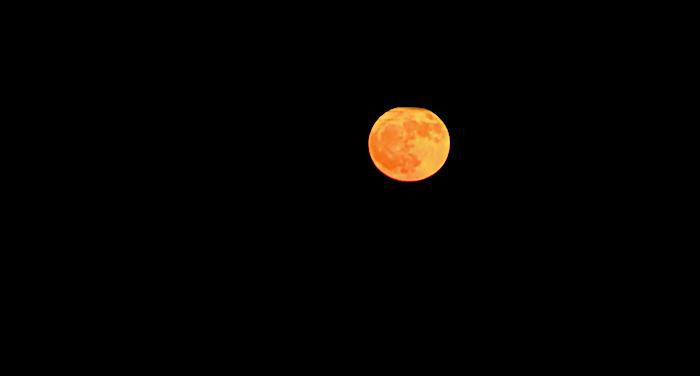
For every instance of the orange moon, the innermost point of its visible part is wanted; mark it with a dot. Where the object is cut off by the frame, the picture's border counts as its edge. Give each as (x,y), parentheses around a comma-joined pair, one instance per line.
(409,144)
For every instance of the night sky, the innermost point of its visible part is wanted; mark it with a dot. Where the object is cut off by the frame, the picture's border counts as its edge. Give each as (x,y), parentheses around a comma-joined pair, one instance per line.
(274,130)
(238,202)
(254,167)
(275,150)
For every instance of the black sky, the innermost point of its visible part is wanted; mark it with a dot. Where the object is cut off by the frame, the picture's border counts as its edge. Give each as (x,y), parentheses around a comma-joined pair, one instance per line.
(263,137)
(219,193)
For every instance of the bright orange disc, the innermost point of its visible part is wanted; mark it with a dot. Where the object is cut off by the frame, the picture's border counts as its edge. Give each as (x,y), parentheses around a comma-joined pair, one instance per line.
(409,144)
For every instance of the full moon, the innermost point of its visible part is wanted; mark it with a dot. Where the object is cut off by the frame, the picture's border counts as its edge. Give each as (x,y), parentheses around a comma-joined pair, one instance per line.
(409,144)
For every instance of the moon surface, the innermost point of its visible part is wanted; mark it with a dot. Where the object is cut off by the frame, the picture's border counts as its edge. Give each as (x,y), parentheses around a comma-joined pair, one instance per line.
(409,144)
